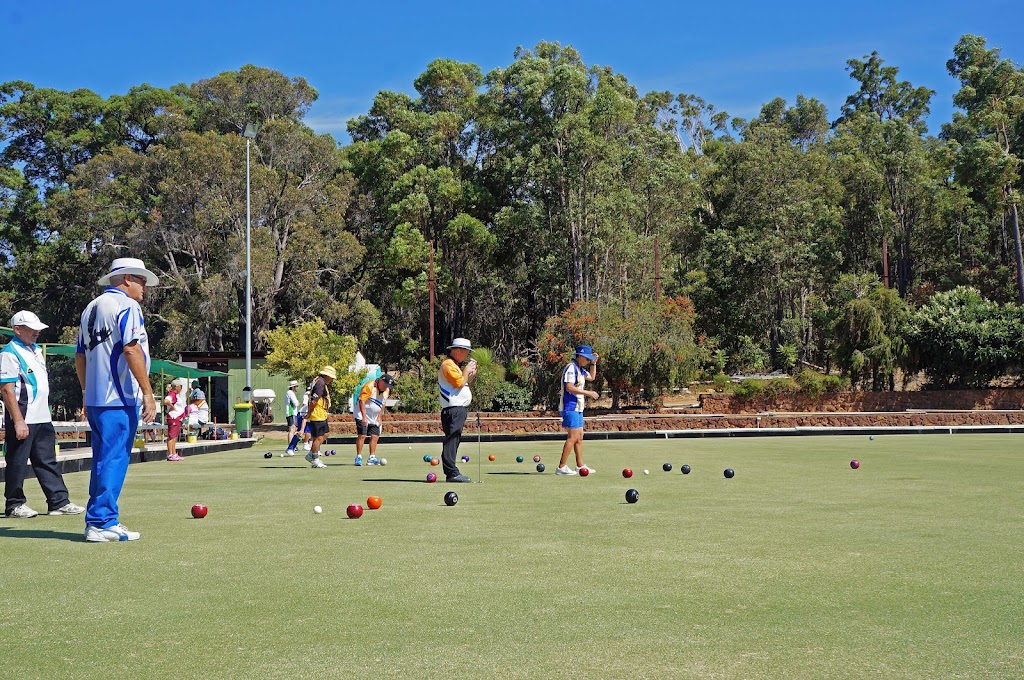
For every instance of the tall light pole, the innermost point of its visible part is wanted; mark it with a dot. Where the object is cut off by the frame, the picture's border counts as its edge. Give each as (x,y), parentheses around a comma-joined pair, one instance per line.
(249,134)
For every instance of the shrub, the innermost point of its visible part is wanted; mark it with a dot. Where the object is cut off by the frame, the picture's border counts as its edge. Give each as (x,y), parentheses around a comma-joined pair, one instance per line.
(510,398)
(811,382)
(963,340)
(489,374)
(417,389)
(749,389)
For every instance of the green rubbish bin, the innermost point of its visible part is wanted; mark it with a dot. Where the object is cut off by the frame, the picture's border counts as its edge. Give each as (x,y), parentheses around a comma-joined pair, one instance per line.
(243,419)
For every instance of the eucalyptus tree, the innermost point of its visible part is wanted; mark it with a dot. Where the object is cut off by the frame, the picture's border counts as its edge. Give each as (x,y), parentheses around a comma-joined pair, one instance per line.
(990,134)
(880,140)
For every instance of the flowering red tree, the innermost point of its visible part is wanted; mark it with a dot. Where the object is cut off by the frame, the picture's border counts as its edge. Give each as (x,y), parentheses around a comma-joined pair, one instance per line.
(645,347)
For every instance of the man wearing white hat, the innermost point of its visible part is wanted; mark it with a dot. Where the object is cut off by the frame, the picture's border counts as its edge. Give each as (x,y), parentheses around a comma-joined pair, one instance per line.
(455,397)
(291,414)
(112,362)
(28,426)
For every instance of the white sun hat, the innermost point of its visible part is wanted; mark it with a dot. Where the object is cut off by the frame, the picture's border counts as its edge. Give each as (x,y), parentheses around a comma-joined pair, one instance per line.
(461,343)
(27,318)
(128,265)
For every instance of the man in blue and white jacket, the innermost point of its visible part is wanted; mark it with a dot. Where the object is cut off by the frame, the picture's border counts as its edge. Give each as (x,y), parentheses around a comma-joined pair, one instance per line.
(112,362)
(28,425)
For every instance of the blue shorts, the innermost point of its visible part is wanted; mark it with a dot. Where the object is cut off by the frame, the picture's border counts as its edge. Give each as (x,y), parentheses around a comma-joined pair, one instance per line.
(572,419)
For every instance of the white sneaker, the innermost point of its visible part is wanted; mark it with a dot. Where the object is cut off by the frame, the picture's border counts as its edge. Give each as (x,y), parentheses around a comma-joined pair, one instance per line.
(69,509)
(290,452)
(590,470)
(308,446)
(564,470)
(22,512)
(317,463)
(114,534)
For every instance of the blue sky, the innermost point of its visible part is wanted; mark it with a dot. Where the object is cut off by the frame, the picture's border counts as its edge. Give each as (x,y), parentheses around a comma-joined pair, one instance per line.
(736,55)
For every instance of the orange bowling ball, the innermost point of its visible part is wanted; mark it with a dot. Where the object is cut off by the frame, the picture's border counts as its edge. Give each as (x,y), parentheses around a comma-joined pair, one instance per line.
(491,457)
(374,502)
(435,461)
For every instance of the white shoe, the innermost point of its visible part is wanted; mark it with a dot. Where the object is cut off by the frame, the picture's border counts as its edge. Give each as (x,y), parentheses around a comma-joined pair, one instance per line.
(114,534)
(590,470)
(317,463)
(69,509)
(308,446)
(22,512)
(564,470)
(290,452)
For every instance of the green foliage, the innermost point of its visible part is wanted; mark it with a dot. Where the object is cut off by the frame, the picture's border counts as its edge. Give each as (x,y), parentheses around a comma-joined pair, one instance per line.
(645,348)
(417,388)
(749,357)
(961,339)
(511,398)
(544,183)
(490,374)
(815,384)
(868,335)
(806,382)
(300,352)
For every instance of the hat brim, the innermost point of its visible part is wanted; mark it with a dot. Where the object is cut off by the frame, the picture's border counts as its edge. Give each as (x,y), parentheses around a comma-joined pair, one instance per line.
(151,278)
(34,326)
(586,356)
(468,349)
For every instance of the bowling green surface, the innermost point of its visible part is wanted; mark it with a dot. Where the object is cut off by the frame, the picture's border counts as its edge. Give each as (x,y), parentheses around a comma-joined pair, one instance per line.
(797,567)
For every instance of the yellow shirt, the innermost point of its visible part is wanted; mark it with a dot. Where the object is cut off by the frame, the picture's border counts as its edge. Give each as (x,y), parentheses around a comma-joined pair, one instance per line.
(322,405)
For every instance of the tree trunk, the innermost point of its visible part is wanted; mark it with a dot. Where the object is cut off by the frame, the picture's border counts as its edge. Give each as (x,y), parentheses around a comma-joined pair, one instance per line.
(1015,228)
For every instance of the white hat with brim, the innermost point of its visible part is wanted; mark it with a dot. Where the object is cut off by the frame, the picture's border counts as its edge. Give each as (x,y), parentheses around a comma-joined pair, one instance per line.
(129,265)
(461,343)
(27,318)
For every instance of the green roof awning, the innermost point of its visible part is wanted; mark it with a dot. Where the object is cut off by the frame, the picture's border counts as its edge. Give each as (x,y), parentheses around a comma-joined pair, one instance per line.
(156,367)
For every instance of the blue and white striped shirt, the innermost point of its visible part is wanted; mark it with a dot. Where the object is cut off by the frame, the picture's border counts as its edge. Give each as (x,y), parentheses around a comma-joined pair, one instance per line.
(110,322)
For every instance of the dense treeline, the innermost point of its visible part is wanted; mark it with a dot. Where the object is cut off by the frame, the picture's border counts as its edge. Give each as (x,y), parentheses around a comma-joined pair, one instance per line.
(796,239)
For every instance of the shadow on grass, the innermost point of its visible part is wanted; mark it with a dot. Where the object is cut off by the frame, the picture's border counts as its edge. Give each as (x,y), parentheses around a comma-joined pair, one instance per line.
(522,474)
(14,532)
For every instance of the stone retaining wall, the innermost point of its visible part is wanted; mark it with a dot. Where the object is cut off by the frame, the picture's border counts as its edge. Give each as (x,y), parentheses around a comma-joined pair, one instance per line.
(413,424)
(868,401)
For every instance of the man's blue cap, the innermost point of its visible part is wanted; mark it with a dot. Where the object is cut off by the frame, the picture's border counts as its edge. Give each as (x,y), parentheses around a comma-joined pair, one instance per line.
(585,351)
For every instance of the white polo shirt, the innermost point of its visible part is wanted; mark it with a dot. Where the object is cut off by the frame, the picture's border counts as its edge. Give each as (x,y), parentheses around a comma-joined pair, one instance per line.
(24,365)
(110,322)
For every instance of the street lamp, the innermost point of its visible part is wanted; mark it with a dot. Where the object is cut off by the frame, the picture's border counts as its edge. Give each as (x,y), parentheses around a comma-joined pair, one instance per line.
(249,134)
